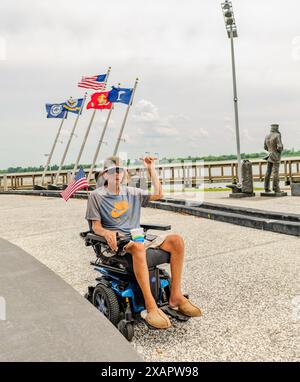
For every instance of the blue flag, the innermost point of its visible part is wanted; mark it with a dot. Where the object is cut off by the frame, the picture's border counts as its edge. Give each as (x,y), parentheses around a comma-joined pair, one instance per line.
(120,95)
(101,78)
(56,110)
(73,105)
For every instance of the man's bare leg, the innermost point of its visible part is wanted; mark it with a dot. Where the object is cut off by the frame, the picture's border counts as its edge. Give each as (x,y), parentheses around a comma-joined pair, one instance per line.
(140,267)
(153,315)
(175,245)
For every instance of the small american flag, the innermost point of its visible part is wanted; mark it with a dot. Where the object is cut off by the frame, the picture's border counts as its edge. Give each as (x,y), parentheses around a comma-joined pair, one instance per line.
(97,82)
(78,183)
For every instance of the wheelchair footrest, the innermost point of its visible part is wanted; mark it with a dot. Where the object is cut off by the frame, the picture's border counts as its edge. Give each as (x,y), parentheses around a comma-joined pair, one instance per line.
(174,313)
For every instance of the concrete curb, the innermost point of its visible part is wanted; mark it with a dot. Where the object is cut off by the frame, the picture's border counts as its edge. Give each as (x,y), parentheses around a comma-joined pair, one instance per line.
(48,193)
(236,209)
(45,319)
(259,219)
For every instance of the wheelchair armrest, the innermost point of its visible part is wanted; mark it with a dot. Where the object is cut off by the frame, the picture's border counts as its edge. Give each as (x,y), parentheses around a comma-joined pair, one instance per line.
(159,227)
(91,237)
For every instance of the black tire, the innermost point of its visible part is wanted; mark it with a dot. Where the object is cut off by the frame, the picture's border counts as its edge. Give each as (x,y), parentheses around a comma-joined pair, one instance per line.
(126,328)
(105,300)
(89,294)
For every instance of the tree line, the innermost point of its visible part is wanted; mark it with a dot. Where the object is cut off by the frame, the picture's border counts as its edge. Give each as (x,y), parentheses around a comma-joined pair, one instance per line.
(165,160)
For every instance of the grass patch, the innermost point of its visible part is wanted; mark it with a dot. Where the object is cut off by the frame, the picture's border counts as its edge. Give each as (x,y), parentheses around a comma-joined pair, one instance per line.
(210,189)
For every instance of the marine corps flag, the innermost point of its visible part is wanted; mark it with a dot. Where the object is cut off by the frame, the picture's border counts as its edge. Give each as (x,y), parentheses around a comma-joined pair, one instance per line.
(99,101)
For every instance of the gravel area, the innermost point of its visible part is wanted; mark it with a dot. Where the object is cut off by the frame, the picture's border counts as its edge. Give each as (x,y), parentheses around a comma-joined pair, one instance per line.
(245,280)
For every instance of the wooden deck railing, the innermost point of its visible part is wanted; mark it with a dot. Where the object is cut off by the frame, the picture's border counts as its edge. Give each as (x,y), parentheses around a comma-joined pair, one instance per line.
(187,173)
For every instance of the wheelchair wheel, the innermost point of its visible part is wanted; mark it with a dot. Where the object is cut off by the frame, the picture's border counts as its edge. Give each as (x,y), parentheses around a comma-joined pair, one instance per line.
(105,300)
(126,328)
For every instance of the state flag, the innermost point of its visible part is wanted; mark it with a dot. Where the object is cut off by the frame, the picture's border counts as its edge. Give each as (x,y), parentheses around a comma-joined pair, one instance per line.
(122,95)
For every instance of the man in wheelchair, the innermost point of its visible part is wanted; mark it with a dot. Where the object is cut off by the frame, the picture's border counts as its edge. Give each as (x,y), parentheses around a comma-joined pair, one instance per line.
(115,209)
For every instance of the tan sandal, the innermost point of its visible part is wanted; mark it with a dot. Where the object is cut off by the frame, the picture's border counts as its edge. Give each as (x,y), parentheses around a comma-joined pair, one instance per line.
(156,318)
(188,309)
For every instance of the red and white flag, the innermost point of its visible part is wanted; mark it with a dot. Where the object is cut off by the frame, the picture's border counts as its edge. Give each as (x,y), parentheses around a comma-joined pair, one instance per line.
(78,183)
(97,82)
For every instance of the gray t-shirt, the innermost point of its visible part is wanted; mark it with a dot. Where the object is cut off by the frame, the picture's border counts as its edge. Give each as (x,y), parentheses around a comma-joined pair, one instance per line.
(117,212)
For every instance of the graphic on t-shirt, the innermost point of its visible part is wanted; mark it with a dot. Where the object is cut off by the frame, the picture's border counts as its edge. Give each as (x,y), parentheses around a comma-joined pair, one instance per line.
(120,208)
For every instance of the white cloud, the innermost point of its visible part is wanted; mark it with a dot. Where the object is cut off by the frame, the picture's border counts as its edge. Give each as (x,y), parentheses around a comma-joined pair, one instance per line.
(150,123)
(181,54)
(145,111)
(246,135)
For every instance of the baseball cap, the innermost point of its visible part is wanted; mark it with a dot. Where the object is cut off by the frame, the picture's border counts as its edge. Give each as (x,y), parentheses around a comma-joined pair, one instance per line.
(112,162)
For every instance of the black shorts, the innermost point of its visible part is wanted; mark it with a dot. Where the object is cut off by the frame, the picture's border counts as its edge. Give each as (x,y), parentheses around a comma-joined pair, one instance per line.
(155,256)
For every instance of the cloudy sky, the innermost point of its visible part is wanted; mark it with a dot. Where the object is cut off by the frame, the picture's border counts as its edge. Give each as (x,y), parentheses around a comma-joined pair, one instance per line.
(181,54)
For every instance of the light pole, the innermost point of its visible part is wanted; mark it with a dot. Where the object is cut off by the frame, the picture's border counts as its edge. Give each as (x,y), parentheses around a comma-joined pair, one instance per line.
(231,29)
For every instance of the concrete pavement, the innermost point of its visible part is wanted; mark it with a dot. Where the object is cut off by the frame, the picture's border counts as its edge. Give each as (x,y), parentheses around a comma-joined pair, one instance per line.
(246,281)
(44,319)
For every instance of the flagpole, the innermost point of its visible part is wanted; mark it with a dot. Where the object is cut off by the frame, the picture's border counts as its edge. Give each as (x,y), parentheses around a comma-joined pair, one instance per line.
(88,131)
(84,142)
(53,148)
(99,143)
(125,118)
(69,141)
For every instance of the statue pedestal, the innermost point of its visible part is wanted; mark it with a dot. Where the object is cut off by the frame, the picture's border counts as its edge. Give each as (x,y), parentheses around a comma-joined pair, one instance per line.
(39,188)
(239,195)
(52,187)
(273,194)
(245,189)
(295,188)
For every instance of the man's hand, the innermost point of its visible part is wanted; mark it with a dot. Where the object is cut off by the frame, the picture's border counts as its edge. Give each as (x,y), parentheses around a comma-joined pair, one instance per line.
(111,238)
(149,161)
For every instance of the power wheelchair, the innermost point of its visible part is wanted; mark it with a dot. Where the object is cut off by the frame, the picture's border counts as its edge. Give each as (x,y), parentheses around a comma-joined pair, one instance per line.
(117,294)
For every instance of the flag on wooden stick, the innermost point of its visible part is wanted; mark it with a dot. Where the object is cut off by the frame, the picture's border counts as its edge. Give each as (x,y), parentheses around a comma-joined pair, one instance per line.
(78,183)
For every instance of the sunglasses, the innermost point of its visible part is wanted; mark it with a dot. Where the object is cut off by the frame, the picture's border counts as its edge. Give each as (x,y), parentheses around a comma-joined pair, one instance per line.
(115,170)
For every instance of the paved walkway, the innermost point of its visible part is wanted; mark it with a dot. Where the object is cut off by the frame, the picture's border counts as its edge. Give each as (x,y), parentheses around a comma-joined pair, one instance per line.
(42,318)
(246,281)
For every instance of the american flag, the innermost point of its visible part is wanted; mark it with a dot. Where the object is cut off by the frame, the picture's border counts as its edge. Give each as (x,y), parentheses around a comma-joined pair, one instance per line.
(78,183)
(97,82)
